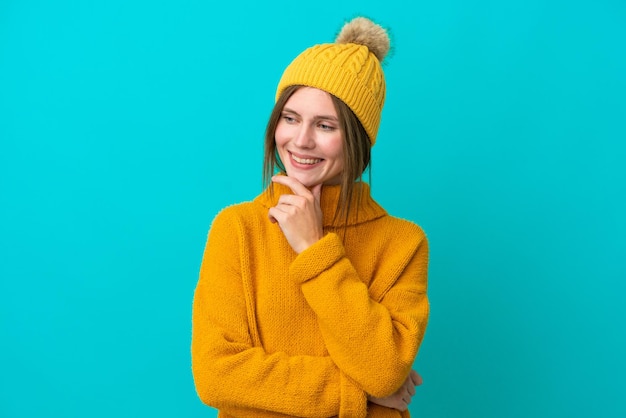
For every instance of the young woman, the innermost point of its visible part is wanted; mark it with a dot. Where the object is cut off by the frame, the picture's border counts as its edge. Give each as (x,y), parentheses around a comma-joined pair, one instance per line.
(312,300)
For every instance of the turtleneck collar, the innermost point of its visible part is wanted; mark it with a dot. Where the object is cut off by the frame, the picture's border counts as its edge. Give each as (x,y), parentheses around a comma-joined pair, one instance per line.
(362,209)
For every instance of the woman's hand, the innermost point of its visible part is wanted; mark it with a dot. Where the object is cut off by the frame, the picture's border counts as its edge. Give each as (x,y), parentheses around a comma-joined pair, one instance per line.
(299,215)
(401,399)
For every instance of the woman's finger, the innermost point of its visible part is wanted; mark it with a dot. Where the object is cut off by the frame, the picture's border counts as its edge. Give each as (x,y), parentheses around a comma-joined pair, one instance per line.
(417,379)
(317,192)
(295,186)
(292,200)
(276,214)
(411,389)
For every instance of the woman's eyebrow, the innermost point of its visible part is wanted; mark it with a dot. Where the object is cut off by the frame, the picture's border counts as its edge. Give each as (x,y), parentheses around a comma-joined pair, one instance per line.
(328,117)
(324,117)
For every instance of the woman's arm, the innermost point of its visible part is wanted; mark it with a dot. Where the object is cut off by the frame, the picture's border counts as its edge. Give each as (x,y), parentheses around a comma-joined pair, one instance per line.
(372,334)
(230,372)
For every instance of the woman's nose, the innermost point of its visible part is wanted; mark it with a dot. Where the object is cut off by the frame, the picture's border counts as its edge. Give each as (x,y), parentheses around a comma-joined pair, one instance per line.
(304,137)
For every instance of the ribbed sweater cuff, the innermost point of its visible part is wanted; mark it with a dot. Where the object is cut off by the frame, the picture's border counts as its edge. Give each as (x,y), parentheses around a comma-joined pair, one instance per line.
(317,258)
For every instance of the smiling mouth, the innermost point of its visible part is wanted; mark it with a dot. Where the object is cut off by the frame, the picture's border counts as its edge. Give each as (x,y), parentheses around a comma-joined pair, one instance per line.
(309,161)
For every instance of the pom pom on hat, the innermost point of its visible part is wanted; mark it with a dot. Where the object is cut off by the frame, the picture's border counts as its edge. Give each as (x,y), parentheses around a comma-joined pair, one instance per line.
(350,69)
(363,31)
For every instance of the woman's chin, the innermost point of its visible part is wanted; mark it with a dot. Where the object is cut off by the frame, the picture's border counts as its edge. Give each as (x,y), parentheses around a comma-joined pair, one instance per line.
(306,181)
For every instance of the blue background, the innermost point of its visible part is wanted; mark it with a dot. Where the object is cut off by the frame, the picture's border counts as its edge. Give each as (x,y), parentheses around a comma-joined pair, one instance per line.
(126,125)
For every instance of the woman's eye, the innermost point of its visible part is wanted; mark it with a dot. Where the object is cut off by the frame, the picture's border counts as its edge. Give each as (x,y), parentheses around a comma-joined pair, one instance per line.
(288,119)
(325,127)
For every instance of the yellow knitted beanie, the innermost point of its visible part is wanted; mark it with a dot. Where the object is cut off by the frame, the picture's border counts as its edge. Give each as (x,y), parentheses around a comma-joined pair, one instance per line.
(348,69)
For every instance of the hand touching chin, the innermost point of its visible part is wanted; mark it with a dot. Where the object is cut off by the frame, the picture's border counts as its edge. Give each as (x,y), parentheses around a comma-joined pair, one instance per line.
(305,180)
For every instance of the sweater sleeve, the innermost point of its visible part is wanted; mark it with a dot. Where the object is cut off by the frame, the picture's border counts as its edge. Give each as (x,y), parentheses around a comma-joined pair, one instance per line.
(237,376)
(372,334)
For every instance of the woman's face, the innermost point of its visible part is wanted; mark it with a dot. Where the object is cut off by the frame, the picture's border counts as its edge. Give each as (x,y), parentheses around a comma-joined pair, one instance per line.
(309,139)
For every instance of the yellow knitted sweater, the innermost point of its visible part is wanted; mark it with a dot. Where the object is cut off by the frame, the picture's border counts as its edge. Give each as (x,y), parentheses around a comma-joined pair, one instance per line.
(277,334)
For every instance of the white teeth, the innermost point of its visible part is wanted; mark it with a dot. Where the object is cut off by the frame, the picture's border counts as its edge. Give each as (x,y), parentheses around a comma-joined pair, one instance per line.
(306,160)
